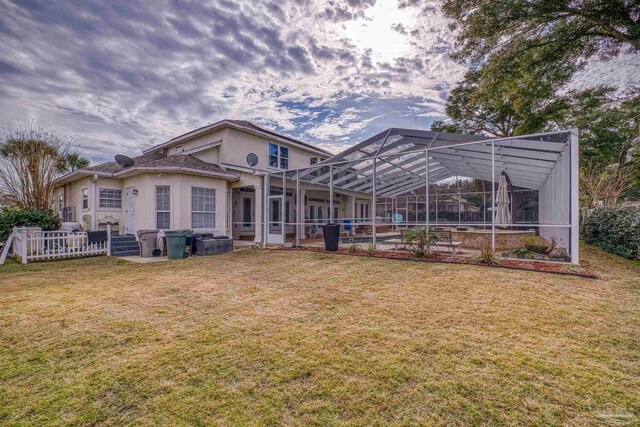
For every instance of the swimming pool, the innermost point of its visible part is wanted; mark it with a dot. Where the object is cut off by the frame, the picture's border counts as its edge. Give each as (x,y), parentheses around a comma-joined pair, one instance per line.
(366,239)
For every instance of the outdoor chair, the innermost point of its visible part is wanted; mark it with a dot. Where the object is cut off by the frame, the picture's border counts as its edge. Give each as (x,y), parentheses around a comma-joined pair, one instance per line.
(347,227)
(445,238)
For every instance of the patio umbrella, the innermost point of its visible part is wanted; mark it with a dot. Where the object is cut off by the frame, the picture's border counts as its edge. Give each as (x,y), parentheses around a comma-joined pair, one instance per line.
(503,213)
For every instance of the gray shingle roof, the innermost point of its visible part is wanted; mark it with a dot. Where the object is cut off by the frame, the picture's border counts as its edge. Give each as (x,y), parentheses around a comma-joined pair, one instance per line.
(157,160)
(241,123)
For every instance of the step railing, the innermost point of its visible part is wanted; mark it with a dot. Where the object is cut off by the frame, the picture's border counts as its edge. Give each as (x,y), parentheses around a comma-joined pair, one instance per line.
(36,245)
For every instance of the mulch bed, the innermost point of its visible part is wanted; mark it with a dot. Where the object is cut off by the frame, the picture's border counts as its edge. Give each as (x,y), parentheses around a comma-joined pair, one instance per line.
(539,266)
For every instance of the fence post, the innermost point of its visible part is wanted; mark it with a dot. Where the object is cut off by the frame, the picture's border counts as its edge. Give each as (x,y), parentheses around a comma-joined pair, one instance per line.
(25,240)
(108,239)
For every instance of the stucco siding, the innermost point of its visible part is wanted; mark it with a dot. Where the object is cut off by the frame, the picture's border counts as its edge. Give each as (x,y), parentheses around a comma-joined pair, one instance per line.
(237,145)
(72,197)
(180,199)
(208,155)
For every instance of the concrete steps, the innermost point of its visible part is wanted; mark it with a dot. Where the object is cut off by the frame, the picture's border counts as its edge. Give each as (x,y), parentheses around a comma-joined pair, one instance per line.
(124,246)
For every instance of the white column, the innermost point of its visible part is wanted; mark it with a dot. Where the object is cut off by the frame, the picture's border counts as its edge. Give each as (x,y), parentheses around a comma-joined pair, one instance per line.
(350,209)
(331,216)
(459,203)
(283,208)
(299,202)
(493,195)
(266,186)
(426,206)
(373,210)
(575,206)
(258,216)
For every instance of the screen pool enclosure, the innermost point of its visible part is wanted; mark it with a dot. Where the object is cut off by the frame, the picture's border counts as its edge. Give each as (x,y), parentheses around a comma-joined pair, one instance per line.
(497,190)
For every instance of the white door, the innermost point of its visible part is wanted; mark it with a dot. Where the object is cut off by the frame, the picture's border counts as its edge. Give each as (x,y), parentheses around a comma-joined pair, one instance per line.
(129,211)
(275,218)
(247,214)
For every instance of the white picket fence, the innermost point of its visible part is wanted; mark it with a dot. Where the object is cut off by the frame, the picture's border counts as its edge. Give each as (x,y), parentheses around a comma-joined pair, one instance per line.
(35,245)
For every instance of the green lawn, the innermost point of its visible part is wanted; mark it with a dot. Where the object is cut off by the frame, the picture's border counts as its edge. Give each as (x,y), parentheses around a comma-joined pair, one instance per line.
(281,337)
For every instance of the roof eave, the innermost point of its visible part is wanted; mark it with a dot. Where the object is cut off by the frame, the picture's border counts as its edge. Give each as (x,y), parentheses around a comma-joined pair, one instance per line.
(226,176)
(75,175)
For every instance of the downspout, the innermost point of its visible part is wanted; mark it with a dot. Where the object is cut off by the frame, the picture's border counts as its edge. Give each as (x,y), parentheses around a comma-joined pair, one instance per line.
(64,202)
(94,201)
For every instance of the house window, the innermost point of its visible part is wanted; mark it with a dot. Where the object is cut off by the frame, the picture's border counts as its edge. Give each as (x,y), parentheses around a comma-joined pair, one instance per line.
(110,198)
(163,207)
(313,160)
(203,207)
(85,198)
(60,204)
(325,169)
(278,156)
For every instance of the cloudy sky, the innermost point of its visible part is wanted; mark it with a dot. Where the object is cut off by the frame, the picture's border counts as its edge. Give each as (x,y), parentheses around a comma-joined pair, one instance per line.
(121,75)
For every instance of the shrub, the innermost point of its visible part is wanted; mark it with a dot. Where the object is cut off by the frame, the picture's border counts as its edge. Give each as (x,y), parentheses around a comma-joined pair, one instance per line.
(487,254)
(419,241)
(614,229)
(522,253)
(532,245)
(370,249)
(10,218)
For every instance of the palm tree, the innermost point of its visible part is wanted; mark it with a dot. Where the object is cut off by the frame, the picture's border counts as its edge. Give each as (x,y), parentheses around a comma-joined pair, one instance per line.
(31,159)
(72,162)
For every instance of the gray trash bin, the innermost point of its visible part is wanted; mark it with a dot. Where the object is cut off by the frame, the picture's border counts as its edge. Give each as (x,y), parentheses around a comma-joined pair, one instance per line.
(147,240)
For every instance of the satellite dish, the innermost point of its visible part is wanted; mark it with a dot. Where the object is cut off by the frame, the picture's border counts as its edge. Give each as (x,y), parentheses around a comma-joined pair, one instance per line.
(252,159)
(124,161)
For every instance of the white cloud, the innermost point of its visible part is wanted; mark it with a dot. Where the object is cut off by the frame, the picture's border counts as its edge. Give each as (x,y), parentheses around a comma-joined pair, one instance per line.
(124,76)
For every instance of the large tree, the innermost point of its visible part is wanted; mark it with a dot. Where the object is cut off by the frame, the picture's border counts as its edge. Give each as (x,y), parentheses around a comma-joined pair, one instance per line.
(609,146)
(31,158)
(519,105)
(568,32)
(522,54)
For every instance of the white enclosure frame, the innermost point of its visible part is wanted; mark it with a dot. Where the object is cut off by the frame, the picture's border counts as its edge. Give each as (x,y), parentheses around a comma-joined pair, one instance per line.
(398,161)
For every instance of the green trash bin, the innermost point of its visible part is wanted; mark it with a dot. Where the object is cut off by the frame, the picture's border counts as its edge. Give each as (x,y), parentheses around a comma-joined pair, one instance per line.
(176,241)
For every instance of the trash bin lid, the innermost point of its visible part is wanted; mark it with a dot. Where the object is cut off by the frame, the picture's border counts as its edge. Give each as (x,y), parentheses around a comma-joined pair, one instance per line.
(177,233)
(147,231)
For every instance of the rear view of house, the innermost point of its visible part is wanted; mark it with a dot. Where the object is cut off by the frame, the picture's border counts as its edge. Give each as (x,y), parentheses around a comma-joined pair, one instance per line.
(209,178)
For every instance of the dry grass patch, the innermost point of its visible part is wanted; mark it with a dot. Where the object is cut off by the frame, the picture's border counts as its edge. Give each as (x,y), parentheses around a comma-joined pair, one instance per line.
(278,337)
